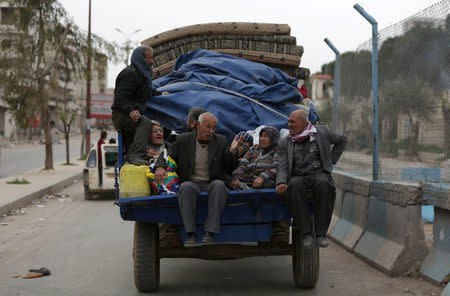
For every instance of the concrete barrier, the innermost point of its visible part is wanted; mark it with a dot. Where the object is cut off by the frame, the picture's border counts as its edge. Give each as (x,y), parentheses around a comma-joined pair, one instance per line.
(380,222)
(436,266)
(349,227)
(393,240)
(337,210)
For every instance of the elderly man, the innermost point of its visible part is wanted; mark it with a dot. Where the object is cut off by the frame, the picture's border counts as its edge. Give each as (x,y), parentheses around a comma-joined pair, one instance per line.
(203,160)
(133,89)
(305,161)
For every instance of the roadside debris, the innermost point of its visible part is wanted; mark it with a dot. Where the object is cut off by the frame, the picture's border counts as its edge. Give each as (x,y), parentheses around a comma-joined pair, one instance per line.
(4,224)
(34,273)
(65,200)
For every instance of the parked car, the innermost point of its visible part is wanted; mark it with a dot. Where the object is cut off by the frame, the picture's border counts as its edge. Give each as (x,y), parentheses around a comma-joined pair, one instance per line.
(91,174)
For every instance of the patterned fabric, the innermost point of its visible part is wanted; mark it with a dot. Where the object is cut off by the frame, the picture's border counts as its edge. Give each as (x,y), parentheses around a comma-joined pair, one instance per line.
(255,164)
(171,183)
(308,131)
(245,144)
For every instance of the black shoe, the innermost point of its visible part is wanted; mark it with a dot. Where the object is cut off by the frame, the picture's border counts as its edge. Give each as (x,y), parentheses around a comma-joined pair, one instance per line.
(190,239)
(208,238)
(307,240)
(322,241)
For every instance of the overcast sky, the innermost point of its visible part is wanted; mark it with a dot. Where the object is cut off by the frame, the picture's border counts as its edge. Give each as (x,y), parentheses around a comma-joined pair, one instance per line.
(310,21)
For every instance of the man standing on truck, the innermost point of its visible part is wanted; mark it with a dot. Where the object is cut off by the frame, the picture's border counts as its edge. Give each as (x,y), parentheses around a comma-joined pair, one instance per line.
(204,164)
(305,161)
(133,89)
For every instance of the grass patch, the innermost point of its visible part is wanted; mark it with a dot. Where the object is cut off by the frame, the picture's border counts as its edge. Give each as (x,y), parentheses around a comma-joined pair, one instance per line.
(83,157)
(17,181)
(70,163)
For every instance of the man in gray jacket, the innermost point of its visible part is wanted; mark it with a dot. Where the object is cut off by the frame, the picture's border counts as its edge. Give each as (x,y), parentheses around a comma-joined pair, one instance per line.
(305,161)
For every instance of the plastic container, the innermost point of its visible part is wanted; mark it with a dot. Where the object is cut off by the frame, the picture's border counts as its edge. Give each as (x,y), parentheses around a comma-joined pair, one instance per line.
(133,181)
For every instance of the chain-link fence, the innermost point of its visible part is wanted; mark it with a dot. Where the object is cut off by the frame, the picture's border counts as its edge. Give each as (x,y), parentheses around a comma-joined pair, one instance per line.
(414,100)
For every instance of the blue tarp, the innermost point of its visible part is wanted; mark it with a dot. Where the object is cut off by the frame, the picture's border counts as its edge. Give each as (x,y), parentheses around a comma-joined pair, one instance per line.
(225,86)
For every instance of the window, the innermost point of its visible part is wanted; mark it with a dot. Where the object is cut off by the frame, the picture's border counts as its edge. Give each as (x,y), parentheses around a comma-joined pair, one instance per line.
(7,16)
(92,159)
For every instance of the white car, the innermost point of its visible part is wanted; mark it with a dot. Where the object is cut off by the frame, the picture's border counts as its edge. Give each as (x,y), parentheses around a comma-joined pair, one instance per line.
(91,175)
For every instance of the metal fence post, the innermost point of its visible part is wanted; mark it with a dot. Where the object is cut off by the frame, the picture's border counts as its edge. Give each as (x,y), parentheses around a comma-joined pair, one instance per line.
(374,23)
(337,81)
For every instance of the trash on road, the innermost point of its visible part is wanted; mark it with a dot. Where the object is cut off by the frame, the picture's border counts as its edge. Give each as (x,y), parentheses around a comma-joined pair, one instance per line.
(4,224)
(75,181)
(41,206)
(34,273)
(65,199)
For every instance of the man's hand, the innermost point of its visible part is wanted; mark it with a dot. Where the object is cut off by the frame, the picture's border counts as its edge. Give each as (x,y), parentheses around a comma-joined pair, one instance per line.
(135,115)
(257,183)
(165,93)
(281,189)
(234,144)
(160,174)
(234,184)
(151,152)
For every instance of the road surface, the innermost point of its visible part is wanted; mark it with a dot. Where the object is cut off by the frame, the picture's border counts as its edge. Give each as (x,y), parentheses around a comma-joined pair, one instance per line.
(88,249)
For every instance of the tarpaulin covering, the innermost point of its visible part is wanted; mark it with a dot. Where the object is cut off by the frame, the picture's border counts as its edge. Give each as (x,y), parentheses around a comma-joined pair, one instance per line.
(241,94)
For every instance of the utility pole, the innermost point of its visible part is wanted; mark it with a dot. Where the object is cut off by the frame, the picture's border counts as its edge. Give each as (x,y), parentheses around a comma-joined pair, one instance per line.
(127,47)
(88,87)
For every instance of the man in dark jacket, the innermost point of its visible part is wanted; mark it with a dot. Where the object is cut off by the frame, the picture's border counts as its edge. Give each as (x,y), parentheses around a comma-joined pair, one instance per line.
(305,161)
(204,163)
(133,89)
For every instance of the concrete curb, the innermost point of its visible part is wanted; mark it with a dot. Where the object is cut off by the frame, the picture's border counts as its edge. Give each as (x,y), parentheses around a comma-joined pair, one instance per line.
(28,198)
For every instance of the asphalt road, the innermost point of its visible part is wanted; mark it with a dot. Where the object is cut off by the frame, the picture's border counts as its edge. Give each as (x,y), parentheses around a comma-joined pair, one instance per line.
(88,249)
(17,159)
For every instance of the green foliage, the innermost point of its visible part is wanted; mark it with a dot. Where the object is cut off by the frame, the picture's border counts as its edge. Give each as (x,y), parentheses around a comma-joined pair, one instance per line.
(45,40)
(17,181)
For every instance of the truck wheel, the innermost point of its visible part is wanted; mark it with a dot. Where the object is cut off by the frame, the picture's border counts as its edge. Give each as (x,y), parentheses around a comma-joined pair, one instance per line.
(88,195)
(305,263)
(146,257)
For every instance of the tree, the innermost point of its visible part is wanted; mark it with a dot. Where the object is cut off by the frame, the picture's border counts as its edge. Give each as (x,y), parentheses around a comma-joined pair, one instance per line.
(43,38)
(414,82)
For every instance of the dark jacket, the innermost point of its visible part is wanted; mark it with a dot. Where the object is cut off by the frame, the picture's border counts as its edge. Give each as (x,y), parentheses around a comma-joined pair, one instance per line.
(131,92)
(329,156)
(221,160)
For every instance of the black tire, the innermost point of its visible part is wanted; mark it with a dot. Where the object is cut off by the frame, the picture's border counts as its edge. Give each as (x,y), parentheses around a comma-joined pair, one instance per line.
(88,195)
(305,263)
(146,257)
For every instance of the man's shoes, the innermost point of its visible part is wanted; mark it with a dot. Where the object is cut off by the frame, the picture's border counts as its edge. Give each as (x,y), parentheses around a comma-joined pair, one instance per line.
(308,240)
(322,241)
(208,238)
(190,239)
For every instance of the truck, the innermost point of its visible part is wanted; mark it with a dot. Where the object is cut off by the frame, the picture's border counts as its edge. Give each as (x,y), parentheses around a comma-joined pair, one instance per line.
(250,218)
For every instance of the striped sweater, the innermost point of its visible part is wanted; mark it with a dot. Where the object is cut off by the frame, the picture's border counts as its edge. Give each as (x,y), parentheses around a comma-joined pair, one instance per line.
(256,164)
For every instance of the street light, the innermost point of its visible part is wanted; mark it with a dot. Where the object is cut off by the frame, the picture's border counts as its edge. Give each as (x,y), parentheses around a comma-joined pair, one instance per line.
(127,46)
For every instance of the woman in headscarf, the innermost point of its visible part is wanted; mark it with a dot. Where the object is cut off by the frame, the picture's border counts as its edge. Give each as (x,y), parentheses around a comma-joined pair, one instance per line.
(258,168)
(157,143)
(133,89)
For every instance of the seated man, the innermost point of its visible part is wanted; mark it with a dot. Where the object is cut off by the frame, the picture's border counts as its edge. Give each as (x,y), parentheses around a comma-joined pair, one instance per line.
(258,167)
(192,118)
(203,159)
(305,161)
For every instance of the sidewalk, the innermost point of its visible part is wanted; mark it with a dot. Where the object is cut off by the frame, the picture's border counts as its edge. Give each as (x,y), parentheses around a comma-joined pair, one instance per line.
(14,196)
